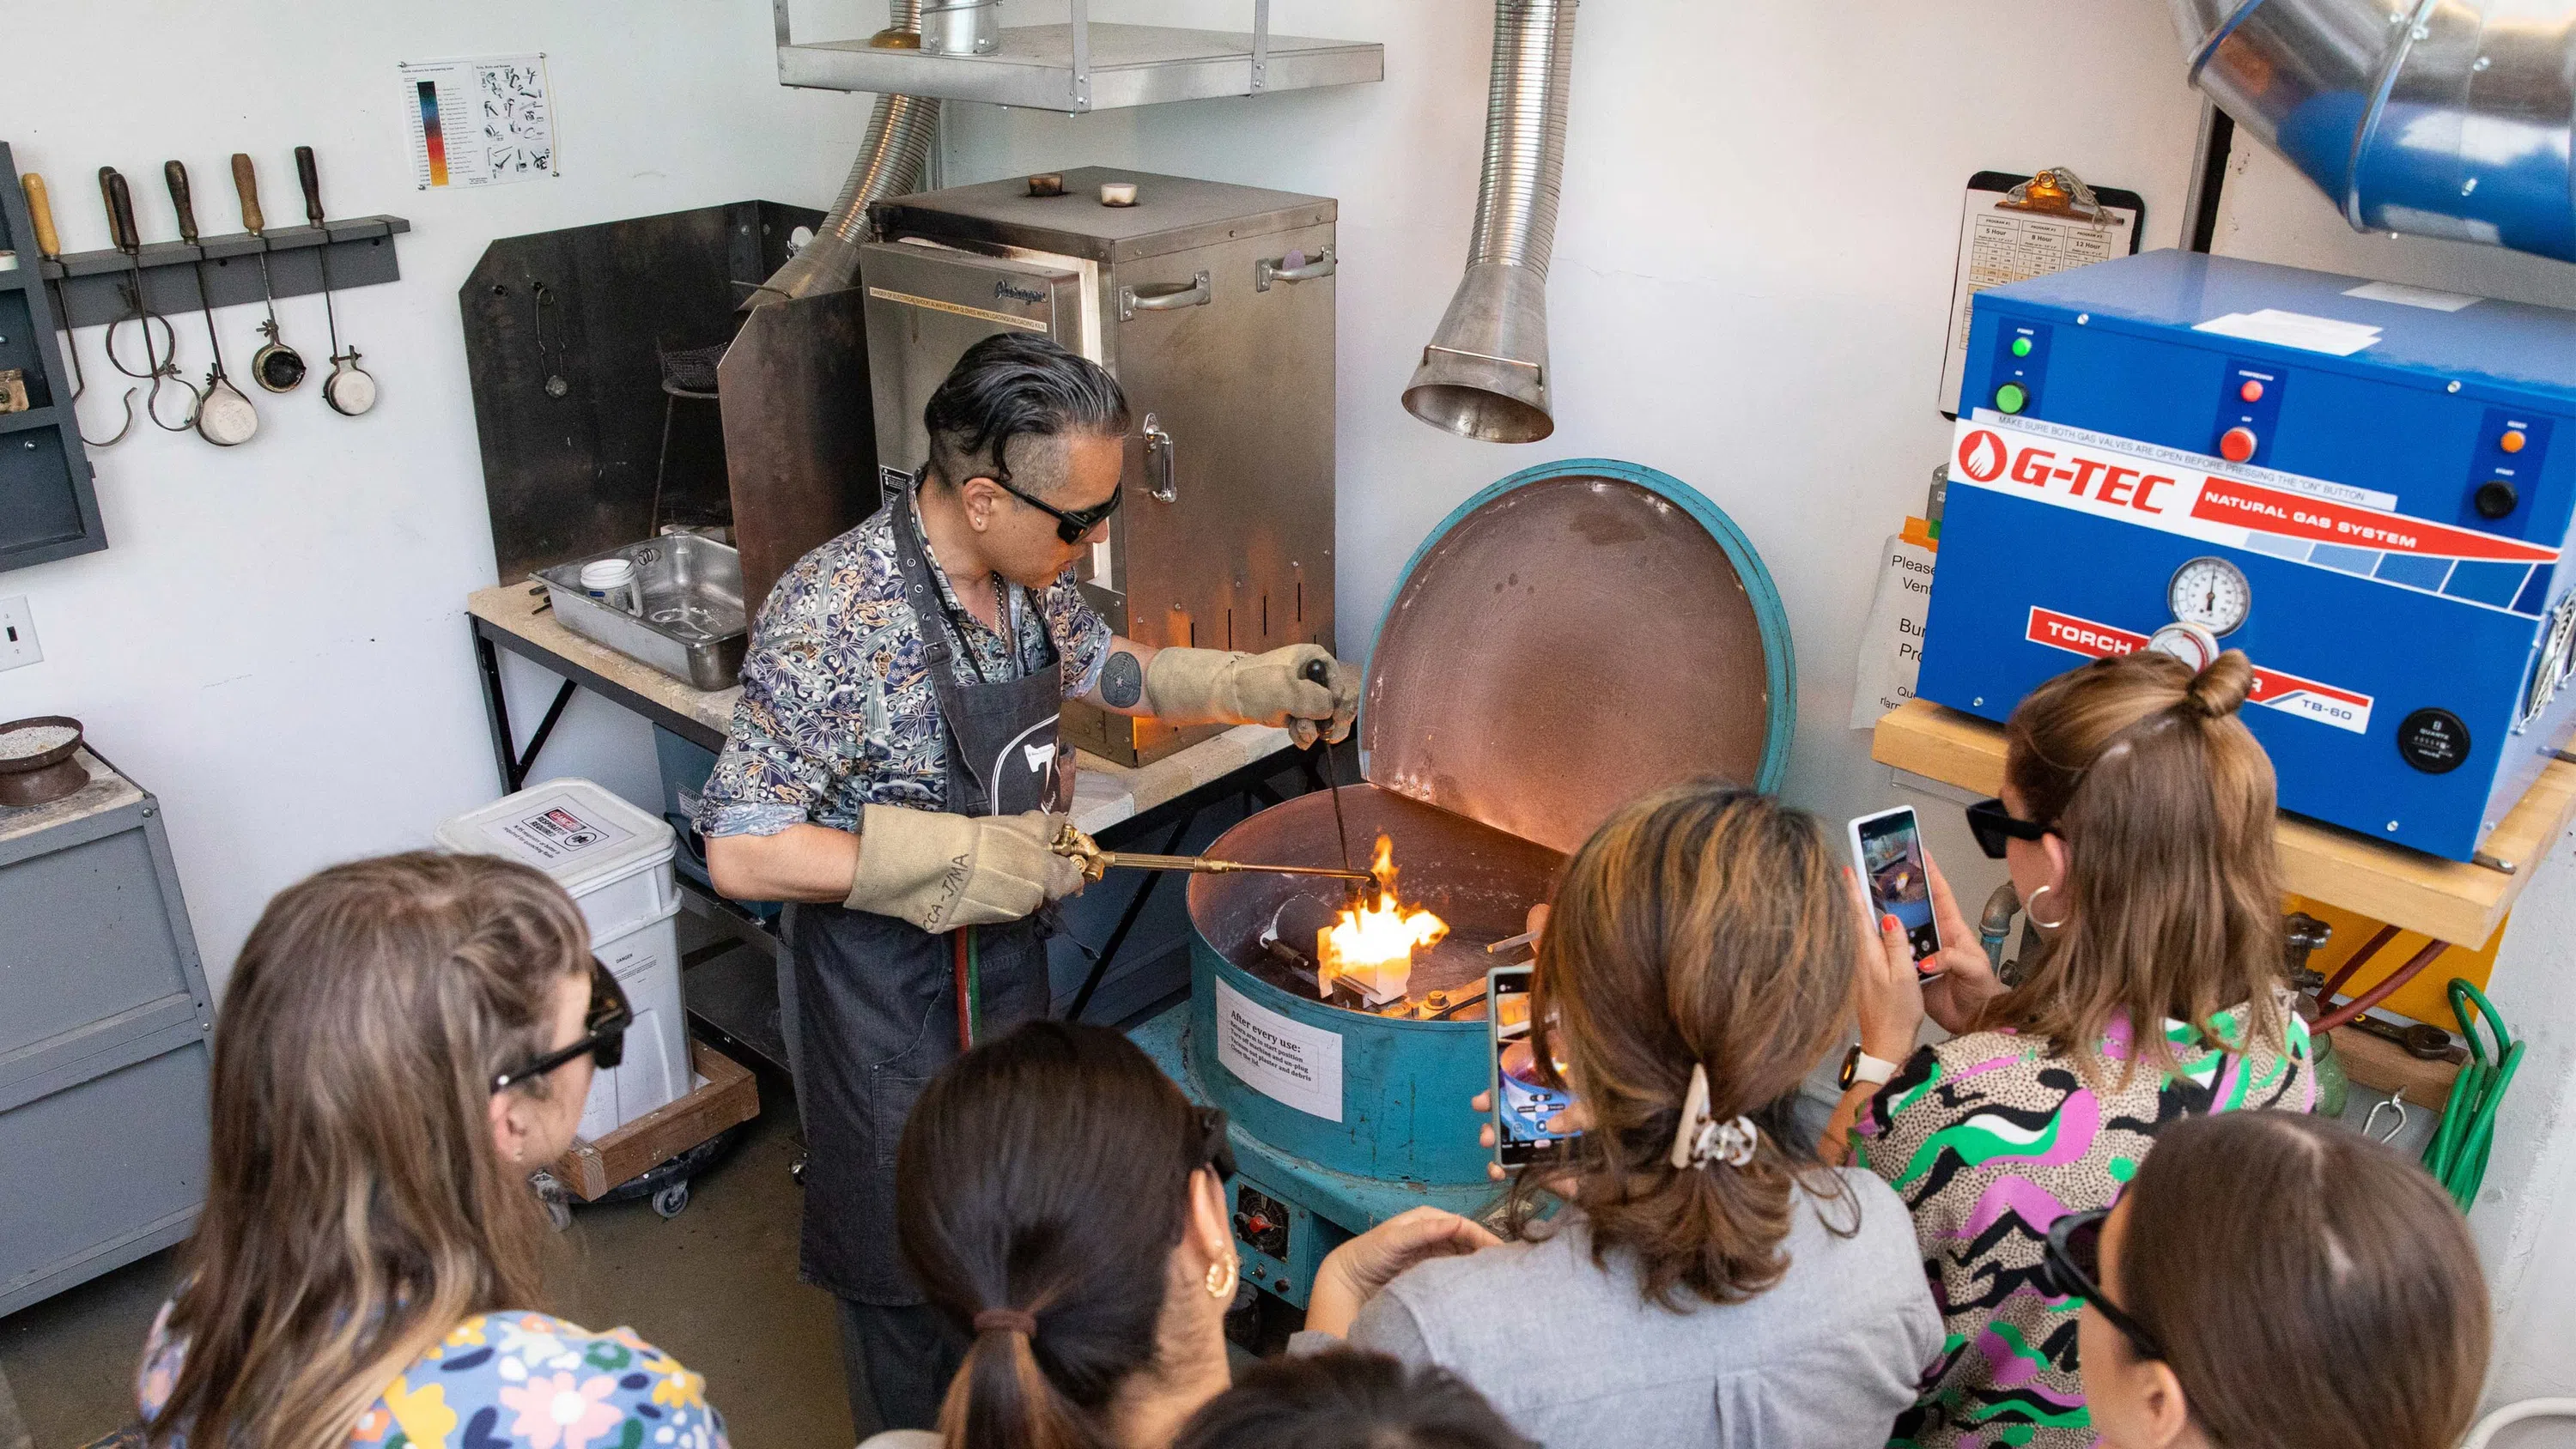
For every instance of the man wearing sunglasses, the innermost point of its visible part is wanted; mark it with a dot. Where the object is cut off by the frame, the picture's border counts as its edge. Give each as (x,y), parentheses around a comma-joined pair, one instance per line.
(893,771)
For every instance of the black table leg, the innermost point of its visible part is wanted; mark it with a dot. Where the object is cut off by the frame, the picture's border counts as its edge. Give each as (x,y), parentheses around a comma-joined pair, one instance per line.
(1126,922)
(496,709)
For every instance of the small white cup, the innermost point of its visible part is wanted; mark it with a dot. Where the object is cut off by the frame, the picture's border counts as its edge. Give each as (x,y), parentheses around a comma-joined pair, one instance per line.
(612,581)
(1118,193)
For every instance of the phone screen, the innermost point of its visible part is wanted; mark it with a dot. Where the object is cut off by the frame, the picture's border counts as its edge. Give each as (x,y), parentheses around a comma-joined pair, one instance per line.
(1890,847)
(1524,1110)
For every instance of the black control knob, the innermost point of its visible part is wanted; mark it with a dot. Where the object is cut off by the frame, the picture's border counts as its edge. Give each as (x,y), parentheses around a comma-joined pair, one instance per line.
(2495,498)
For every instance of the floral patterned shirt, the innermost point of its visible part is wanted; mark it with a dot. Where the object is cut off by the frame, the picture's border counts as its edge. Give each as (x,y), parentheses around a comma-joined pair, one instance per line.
(1989,1138)
(837,708)
(510,1381)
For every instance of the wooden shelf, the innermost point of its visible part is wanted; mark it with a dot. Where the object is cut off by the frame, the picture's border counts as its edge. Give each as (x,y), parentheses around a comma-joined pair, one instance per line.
(2444,899)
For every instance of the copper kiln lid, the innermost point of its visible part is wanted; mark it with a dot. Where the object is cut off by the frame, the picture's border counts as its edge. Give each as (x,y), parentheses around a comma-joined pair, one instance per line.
(1573,636)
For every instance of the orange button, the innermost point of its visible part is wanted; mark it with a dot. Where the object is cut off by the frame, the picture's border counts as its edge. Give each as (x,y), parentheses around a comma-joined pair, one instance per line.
(2512,440)
(2252,391)
(2236,444)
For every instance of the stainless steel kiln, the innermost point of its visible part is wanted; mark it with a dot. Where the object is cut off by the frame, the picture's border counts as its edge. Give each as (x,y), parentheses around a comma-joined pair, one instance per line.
(1213,306)
(1570,638)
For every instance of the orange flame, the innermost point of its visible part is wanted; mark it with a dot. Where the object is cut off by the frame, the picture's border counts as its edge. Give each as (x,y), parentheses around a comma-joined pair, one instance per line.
(1374,942)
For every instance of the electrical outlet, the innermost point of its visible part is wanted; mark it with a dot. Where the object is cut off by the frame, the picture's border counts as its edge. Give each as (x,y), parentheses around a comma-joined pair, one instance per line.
(17,634)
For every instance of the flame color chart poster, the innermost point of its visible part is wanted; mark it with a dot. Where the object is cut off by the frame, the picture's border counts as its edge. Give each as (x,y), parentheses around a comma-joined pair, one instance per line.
(479,121)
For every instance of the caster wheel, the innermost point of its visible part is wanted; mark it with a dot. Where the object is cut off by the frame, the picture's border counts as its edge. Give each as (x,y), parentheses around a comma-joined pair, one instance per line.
(796,1170)
(670,1201)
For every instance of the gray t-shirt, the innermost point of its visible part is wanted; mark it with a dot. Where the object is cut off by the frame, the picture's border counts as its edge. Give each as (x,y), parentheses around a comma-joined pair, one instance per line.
(1577,1359)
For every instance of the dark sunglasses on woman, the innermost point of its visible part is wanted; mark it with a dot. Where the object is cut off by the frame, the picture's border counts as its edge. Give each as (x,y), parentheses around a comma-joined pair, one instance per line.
(2071,1267)
(603,1032)
(1993,825)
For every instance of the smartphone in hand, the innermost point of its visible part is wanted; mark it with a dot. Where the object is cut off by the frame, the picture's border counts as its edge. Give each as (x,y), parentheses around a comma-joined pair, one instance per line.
(1525,1112)
(1887,850)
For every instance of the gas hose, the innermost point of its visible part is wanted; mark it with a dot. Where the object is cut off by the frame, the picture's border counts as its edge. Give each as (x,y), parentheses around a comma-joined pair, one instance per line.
(2457,1156)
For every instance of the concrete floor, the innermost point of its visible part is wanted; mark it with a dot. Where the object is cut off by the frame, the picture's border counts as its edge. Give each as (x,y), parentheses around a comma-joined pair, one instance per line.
(715,1287)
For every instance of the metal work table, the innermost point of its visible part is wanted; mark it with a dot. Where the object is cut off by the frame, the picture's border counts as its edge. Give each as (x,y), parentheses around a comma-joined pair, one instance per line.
(1118,803)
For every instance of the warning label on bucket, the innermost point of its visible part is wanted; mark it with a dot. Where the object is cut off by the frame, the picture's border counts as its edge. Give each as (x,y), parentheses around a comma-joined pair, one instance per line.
(1279,1056)
(549,832)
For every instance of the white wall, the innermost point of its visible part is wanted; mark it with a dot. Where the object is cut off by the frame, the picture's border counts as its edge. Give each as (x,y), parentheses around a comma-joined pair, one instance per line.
(2525,1218)
(274,639)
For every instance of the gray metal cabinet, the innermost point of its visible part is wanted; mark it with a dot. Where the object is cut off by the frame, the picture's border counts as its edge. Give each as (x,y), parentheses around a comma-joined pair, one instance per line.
(104,1021)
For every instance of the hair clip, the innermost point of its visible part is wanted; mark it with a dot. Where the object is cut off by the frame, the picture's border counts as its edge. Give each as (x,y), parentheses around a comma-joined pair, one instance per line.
(1701,1137)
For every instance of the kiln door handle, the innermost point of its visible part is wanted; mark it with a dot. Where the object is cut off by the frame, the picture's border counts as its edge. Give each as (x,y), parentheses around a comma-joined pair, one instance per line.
(1165,297)
(1161,471)
(1294,267)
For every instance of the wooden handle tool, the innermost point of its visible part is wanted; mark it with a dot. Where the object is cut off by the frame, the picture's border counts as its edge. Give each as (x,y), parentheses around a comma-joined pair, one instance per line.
(180,200)
(246,184)
(311,179)
(40,211)
(120,210)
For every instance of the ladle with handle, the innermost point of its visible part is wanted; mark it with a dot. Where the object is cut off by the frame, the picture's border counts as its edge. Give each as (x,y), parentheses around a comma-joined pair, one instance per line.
(161,365)
(49,245)
(278,367)
(350,389)
(225,417)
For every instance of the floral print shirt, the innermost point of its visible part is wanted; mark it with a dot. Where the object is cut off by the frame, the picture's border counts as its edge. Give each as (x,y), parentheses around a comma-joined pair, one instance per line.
(837,709)
(1989,1139)
(510,1381)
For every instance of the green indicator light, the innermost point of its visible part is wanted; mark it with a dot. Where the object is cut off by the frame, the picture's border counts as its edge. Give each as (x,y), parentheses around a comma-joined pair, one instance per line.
(2012,397)
(2021,347)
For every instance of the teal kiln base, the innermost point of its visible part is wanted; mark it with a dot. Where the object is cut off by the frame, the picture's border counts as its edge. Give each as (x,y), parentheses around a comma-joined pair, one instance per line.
(1322,1208)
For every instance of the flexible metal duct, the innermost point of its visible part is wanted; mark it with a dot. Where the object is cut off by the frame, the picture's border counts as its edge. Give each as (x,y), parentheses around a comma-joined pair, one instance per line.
(2446,118)
(891,161)
(1484,374)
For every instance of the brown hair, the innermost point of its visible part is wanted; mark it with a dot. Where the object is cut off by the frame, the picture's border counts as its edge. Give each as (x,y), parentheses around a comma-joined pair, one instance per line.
(1046,1173)
(2309,1286)
(1343,1398)
(1706,925)
(356,1207)
(2172,898)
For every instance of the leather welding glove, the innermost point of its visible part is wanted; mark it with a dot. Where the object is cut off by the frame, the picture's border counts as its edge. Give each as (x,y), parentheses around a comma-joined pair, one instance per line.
(1216,686)
(941,871)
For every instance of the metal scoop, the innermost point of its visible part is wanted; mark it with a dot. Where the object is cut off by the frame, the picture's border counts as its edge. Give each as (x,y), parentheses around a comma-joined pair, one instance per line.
(278,367)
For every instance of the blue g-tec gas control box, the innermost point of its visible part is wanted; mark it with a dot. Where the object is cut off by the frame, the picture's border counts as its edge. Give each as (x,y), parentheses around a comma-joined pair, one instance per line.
(2358,484)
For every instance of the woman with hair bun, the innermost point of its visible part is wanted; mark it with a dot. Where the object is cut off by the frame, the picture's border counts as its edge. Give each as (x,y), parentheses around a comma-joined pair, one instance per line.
(1063,1206)
(2136,820)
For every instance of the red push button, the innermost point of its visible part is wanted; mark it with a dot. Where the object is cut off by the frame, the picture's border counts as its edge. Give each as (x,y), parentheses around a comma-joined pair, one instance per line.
(2236,444)
(2512,440)
(2252,391)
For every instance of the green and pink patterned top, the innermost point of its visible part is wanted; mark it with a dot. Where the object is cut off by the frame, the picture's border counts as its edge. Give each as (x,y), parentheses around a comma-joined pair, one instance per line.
(1988,1138)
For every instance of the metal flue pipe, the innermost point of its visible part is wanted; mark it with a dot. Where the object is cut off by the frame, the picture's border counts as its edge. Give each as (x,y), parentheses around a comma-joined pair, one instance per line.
(1484,374)
(2446,118)
(892,159)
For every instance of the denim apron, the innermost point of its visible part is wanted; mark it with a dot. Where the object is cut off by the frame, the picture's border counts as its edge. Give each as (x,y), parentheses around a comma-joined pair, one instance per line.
(883,1004)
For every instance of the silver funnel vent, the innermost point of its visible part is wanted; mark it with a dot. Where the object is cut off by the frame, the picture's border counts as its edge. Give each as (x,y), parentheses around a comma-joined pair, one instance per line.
(892,158)
(1484,374)
(2444,118)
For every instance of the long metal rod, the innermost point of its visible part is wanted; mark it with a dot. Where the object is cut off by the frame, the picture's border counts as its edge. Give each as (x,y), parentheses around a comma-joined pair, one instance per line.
(1203,865)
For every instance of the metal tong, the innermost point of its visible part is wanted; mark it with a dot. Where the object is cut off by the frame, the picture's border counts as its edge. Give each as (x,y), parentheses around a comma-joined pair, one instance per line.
(1074,845)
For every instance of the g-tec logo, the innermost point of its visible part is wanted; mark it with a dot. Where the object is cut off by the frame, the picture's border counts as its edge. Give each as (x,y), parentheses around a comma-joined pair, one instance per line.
(1982,456)
(1018,293)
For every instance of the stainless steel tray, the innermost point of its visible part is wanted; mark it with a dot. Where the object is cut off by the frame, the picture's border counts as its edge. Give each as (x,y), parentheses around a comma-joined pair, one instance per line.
(692,628)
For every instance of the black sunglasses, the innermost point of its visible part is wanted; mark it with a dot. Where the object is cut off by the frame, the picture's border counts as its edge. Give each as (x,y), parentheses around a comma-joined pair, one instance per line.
(1992,824)
(1214,1149)
(2071,1267)
(1072,524)
(603,1032)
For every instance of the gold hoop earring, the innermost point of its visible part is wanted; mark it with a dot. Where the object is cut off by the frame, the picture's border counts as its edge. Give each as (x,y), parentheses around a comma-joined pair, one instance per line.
(1222,1276)
(2031,908)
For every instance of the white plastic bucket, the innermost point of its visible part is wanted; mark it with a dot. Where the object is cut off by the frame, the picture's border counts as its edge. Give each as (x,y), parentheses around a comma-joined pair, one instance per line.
(612,858)
(645,959)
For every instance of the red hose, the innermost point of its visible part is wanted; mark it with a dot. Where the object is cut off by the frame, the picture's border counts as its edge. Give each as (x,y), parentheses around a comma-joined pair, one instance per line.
(2379,993)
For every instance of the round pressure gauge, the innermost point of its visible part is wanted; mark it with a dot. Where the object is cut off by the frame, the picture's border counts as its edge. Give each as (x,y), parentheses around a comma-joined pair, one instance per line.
(2212,593)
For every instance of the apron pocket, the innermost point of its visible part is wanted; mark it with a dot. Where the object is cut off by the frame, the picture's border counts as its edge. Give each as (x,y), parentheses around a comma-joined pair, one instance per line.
(890,1099)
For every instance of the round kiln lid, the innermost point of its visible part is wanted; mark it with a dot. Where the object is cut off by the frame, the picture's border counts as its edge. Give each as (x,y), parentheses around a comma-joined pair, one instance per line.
(1573,636)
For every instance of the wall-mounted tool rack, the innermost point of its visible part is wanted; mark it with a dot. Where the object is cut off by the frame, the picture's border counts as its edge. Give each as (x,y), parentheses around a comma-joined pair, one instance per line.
(48,509)
(1084,66)
(93,283)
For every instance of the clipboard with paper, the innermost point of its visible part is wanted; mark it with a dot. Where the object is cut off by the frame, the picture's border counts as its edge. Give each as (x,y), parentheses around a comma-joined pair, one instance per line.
(2013,228)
